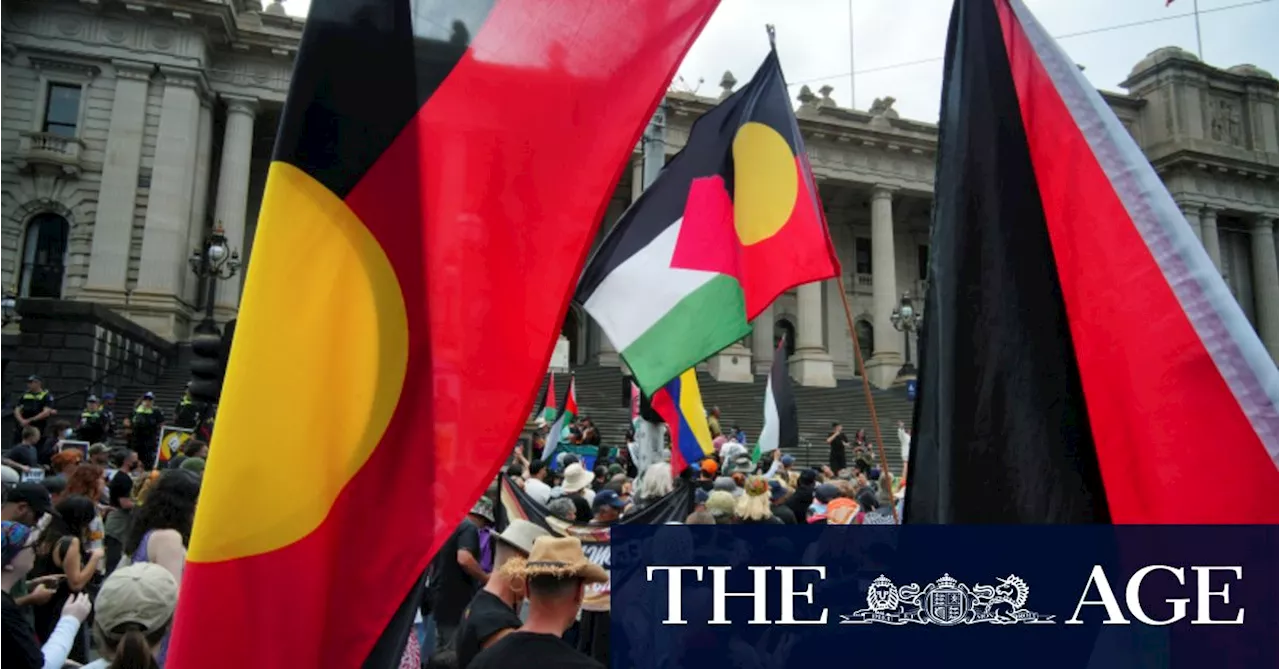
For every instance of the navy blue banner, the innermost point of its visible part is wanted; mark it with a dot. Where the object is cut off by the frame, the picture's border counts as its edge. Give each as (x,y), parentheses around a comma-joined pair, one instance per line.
(770,596)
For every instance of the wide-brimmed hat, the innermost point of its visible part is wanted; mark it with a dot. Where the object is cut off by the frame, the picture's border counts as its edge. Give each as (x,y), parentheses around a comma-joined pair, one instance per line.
(576,478)
(521,534)
(483,508)
(562,557)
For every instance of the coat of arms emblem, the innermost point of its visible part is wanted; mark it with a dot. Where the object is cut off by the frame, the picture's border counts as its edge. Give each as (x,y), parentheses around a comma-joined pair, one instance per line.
(946,602)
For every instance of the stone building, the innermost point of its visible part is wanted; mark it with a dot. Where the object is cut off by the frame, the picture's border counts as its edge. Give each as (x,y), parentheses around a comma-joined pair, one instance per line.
(133,127)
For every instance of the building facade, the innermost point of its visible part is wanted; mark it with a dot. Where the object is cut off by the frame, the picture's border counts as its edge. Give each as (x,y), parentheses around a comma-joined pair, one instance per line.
(133,128)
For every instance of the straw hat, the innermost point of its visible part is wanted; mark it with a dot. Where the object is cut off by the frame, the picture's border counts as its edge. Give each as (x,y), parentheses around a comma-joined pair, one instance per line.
(562,557)
(576,478)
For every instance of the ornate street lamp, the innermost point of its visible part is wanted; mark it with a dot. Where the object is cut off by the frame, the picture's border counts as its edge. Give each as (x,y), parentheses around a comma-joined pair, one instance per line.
(906,320)
(213,261)
(9,305)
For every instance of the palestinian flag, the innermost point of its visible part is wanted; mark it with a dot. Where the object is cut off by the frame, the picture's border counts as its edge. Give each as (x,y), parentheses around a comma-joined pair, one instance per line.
(732,221)
(548,409)
(558,433)
(781,425)
(417,137)
(1079,347)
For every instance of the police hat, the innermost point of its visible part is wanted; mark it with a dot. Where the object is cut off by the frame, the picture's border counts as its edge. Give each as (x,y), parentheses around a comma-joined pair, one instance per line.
(33,377)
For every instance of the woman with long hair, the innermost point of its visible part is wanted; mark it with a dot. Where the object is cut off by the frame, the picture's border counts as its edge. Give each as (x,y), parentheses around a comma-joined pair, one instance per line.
(89,480)
(161,524)
(63,550)
(132,616)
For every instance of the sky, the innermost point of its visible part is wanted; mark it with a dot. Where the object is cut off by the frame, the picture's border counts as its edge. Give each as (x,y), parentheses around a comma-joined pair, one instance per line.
(814,38)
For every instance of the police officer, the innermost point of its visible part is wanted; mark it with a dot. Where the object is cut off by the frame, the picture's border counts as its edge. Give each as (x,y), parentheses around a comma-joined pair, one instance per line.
(34,407)
(108,409)
(145,424)
(189,411)
(93,424)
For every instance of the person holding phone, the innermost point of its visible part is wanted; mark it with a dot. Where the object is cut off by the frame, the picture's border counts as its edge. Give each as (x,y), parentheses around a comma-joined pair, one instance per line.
(21,647)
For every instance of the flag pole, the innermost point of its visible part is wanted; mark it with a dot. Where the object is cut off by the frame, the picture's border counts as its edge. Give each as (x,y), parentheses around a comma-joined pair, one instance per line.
(866,391)
(1195,8)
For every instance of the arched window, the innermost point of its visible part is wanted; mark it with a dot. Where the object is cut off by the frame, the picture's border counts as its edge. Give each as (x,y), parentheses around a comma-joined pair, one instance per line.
(43,256)
(784,328)
(866,337)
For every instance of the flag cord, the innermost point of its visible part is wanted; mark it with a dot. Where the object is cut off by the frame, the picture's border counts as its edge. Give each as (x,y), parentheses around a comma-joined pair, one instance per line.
(866,390)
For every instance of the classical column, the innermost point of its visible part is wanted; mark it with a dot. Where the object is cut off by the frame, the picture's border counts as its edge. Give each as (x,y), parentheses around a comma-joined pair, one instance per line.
(1209,235)
(157,296)
(197,231)
(811,365)
(887,360)
(1192,212)
(232,204)
(118,192)
(1266,292)
(762,341)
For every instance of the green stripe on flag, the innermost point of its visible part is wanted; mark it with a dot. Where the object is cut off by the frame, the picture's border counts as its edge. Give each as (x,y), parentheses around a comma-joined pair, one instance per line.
(699,326)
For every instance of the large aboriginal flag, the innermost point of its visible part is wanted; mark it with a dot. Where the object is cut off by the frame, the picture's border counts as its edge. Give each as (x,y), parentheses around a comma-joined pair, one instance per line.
(428,153)
(731,222)
(1082,359)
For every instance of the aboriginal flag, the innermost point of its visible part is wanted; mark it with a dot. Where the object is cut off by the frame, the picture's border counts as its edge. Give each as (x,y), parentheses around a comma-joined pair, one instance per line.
(428,151)
(732,221)
(1082,360)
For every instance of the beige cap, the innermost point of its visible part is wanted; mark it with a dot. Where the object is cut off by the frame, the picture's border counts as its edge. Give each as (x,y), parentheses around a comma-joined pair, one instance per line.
(143,593)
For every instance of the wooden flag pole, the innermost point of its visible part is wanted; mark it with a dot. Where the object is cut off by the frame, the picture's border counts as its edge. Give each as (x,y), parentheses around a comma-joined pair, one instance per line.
(871,403)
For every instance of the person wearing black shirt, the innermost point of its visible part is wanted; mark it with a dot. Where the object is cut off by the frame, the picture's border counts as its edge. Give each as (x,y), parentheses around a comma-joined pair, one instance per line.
(93,424)
(492,612)
(24,456)
(34,407)
(120,500)
(145,424)
(456,573)
(778,503)
(839,441)
(189,412)
(555,574)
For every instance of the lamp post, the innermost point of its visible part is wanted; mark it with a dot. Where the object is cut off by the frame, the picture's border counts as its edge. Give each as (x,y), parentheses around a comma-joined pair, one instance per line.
(213,261)
(906,320)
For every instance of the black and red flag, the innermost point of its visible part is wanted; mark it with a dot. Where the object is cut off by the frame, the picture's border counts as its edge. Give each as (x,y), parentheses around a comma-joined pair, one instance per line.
(428,151)
(1082,360)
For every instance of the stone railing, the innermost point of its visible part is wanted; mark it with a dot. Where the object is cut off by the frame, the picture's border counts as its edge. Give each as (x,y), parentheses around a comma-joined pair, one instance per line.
(43,149)
(861,283)
(79,348)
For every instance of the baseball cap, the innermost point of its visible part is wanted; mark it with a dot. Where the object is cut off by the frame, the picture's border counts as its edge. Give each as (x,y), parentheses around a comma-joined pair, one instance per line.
(142,593)
(97,448)
(788,460)
(607,498)
(776,490)
(35,495)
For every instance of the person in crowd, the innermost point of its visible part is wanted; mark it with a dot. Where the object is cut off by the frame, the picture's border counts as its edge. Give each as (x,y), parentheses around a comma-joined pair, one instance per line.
(707,470)
(88,480)
(20,648)
(713,422)
(554,576)
(93,425)
(9,477)
(120,505)
(63,548)
(606,508)
(132,617)
(575,487)
(779,493)
(536,483)
(24,456)
(904,444)
(144,425)
(739,435)
(100,454)
(27,503)
(720,505)
(601,474)
(700,518)
(66,462)
(788,472)
(492,613)
(51,437)
(822,495)
(700,499)
(161,526)
(590,435)
(656,483)
(193,465)
(842,511)
(753,508)
(456,573)
(191,448)
(189,411)
(838,441)
(726,484)
(563,508)
(34,407)
(108,408)
(57,487)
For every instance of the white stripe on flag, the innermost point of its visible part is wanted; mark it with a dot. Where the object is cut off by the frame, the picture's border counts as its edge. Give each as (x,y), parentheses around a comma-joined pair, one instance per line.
(648,273)
(769,435)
